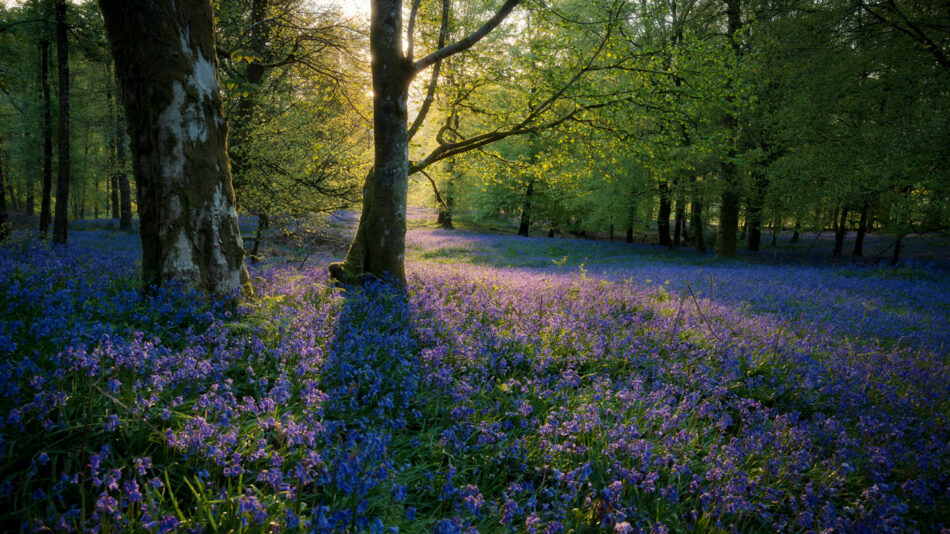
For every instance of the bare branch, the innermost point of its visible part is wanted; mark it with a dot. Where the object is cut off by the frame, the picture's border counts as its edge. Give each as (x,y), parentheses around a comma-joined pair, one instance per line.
(468,41)
(410,29)
(438,196)
(434,81)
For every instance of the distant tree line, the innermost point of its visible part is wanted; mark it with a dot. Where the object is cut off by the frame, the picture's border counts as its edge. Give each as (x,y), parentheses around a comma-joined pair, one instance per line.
(705,123)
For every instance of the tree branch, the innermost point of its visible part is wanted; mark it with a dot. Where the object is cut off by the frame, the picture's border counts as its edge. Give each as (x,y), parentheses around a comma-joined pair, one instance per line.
(410,28)
(434,81)
(469,40)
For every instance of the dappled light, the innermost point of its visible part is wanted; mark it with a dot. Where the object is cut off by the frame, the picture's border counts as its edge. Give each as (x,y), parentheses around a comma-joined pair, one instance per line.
(446,266)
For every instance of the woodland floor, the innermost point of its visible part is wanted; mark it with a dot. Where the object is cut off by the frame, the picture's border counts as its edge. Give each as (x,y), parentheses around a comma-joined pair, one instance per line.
(518,384)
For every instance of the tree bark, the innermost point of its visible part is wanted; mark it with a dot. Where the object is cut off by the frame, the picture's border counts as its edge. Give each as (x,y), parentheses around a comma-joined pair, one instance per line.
(726,245)
(61,214)
(262,223)
(862,231)
(680,213)
(895,258)
(112,184)
(525,225)
(663,215)
(756,202)
(46,202)
(188,220)
(379,246)
(29,207)
(696,222)
(729,211)
(840,231)
(4,218)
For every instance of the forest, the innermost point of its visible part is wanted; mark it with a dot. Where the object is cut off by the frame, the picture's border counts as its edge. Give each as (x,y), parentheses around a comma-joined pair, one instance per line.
(475,266)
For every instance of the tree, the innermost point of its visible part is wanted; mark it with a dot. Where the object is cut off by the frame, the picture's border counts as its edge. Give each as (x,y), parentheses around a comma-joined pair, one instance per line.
(188,221)
(379,246)
(294,99)
(61,216)
(729,209)
(46,214)
(4,219)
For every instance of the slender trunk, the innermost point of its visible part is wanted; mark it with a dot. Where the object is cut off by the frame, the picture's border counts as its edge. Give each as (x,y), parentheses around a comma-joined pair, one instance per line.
(29,207)
(895,258)
(745,225)
(112,183)
(114,211)
(262,223)
(444,219)
(525,225)
(631,217)
(663,215)
(79,203)
(188,220)
(862,230)
(610,233)
(795,232)
(777,224)
(754,211)
(726,243)
(4,218)
(696,221)
(679,230)
(121,178)
(840,231)
(447,203)
(46,202)
(61,215)
(729,212)
(379,246)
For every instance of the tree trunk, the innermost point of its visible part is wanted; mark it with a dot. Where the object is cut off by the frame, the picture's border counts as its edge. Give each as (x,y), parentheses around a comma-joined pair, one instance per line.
(46,202)
(29,207)
(262,223)
(729,211)
(795,232)
(379,246)
(165,61)
(696,222)
(447,203)
(79,203)
(525,225)
(862,230)
(777,224)
(756,202)
(112,184)
(895,258)
(61,214)
(840,231)
(4,219)
(679,229)
(663,215)
(726,245)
